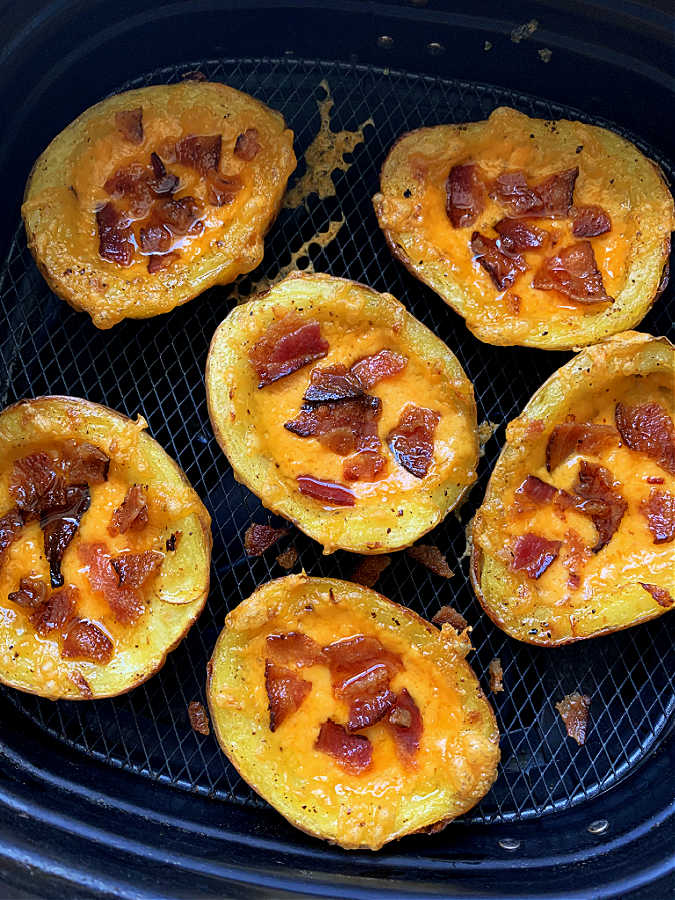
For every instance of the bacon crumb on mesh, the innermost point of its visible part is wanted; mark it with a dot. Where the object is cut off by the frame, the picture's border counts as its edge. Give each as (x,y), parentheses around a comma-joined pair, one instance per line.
(448,615)
(288,558)
(259,538)
(199,719)
(573,709)
(496,675)
(430,556)
(369,570)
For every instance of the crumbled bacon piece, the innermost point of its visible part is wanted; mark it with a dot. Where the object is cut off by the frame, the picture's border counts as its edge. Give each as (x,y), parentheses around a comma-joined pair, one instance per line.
(123,600)
(659,510)
(114,235)
(36,484)
(501,267)
(595,483)
(84,462)
(259,538)
(200,152)
(344,427)
(32,592)
(369,570)
(551,199)
(406,724)
(372,369)
(647,428)
(327,491)
(288,558)
(412,440)
(364,466)
(155,239)
(132,514)
(129,122)
(157,263)
(573,272)
(286,692)
(515,236)
(448,615)
(573,709)
(164,182)
(221,190)
(654,479)
(556,193)
(59,526)
(661,595)
(198,716)
(465,195)
(430,556)
(577,437)
(288,344)
(576,556)
(180,216)
(533,554)
(332,385)
(53,613)
(85,640)
(293,648)
(133,185)
(496,675)
(352,752)
(10,526)
(536,490)
(134,569)
(247,146)
(590,221)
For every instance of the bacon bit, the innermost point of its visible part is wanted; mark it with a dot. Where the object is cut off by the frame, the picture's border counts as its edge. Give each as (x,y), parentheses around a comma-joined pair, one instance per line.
(576,557)
(155,239)
(132,513)
(259,538)
(200,152)
(496,675)
(659,511)
(172,541)
(655,479)
(288,344)
(10,526)
(352,752)
(344,427)
(576,437)
(533,554)
(164,182)
(412,440)
(369,570)
(465,195)
(573,709)
(536,490)
(52,614)
(430,556)
(199,719)
(406,724)
(85,462)
(247,146)
(294,647)
(333,384)
(134,569)
(574,273)
(515,236)
(590,221)
(286,692)
(159,263)
(181,216)
(556,193)
(123,600)
(36,485)
(59,526)
(327,491)
(114,236)
(32,592)
(129,122)
(448,615)
(551,199)
(371,708)
(221,190)
(134,185)
(501,267)
(85,640)
(365,466)
(660,594)
(648,429)
(371,370)
(595,483)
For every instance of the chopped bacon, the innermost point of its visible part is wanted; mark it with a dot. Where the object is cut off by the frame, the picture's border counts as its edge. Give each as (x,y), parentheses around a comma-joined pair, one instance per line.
(352,752)
(164,182)
(159,263)
(288,344)
(533,554)
(86,640)
(129,122)
(247,146)
(370,707)
(536,490)
(134,569)
(354,654)
(574,273)
(32,592)
(501,267)
(10,526)
(590,221)
(134,185)
(288,558)
(430,556)
(465,195)
(406,724)
(180,216)
(369,570)
(577,437)
(647,428)
(155,239)
(123,600)
(512,191)
(659,510)
(556,193)
(200,152)
(53,613)
(59,526)
(36,484)
(327,491)
(573,709)
(286,692)
(448,615)
(576,556)
(114,235)
(661,595)
(372,369)
(551,199)
(654,479)
(85,463)
(198,716)
(132,513)
(344,427)
(595,483)
(496,675)
(333,384)
(221,190)
(365,466)
(412,440)
(259,538)
(293,648)
(515,236)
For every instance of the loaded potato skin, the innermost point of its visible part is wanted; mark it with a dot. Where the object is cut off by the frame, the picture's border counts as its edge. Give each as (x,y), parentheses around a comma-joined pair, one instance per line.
(357,720)
(153,195)
(551,234)
(576,534)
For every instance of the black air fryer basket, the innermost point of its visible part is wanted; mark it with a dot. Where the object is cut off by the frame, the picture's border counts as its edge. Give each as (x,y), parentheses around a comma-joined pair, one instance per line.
(120,798)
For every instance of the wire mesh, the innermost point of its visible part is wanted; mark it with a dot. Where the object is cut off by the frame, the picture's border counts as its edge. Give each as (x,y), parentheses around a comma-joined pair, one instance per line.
(156,368)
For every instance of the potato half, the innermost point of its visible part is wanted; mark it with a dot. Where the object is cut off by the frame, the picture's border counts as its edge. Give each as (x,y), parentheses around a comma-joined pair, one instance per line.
(176,530)
(389,510)
(455,762)
(176,185)
(584,589)
(613,175)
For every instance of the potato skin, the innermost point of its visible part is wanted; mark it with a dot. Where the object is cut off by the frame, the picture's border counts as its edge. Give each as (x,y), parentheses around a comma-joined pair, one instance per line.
(231,389)
(511,599)
(613,174)
(177,598)
(240,717)
(66,186)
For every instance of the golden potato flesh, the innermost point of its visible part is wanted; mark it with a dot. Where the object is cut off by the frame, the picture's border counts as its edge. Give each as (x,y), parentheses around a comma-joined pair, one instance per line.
(415,766)
(576,534)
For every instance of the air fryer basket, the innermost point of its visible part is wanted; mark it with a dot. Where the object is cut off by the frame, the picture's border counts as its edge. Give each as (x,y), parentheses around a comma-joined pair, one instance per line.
(136,755)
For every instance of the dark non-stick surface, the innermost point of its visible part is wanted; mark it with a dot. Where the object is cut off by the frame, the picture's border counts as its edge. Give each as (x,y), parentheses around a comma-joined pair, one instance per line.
(156,368)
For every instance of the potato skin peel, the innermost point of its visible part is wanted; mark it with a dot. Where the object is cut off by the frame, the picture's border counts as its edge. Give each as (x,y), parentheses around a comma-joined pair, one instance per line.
(627,354)
(181,592)
(63,237)
(234,714)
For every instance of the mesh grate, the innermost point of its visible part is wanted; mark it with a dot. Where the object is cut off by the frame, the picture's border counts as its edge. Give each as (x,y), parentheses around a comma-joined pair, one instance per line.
(156,368)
